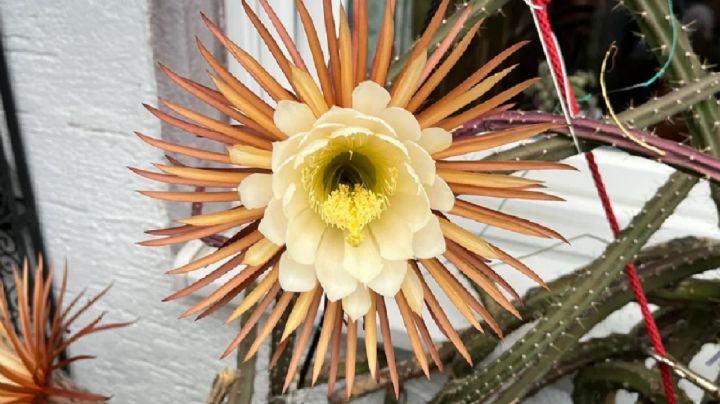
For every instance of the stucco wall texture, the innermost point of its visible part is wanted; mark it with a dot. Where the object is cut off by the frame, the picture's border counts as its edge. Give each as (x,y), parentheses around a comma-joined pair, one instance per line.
(81,70)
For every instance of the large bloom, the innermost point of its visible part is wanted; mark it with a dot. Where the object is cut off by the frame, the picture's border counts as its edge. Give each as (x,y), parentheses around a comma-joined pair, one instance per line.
(30,359)
(346,186)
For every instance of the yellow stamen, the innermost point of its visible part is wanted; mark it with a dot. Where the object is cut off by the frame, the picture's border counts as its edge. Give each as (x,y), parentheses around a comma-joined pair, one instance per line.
(352,209)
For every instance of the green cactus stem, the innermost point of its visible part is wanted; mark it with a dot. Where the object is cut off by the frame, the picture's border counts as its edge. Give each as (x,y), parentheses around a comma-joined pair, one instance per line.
(682,258)
(509,377)
(596,350)
(658,266)
(699,292)
(689,333)
(555,147)
(593,383)
(680,156)
(683,330)
(703,119)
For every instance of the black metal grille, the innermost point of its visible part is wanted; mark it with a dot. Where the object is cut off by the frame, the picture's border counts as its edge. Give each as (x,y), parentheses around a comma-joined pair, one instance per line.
(20,235)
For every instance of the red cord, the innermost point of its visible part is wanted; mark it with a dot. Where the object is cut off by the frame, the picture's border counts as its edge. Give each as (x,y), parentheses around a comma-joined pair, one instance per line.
(567,93)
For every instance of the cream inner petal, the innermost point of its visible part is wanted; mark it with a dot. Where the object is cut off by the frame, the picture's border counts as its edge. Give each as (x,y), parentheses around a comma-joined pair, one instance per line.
(296,277)
(370,98)
(414,209)
(274,223)
(303,236)
(429,241)
(357,303)
(435,139)
(256,190)
(363,262)
(390,279)
(351,117)
(403,122)
(293,117)
(294,201)
(336,282)
(393,236)
(421,162)
(440,194)
(284,150)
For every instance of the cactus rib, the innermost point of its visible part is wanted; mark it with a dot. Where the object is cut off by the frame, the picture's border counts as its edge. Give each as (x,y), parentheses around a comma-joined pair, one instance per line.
(508,378)
(686,332)
(703,120)
(593,383)
(658,266)
(677,155)
(650,113)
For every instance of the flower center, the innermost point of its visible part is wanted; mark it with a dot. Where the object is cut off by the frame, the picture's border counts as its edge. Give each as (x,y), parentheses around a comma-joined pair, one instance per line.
(351,208)
(349,185)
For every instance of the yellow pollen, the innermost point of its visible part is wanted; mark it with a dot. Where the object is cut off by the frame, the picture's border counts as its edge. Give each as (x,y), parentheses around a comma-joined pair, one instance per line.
(352,209)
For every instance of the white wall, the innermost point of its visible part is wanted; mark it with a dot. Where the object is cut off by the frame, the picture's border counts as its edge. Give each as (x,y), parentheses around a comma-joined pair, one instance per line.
(81,70)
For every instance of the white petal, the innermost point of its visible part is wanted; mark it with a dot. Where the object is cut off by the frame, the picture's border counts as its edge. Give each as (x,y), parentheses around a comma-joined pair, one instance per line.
(357,303)
(440,194)
(319,131)
(378,138)
(284,150)
(393,236)
(404,122)
(370,98)
(408,181)
(256,190)
(296,277)
(413,291)
(295,200)
(308,150)
(388,282)
(363,262)
(293,117)
(274,224)
(338,115)
(335,280)
(413,208)
(350,131)
(421,162)
(303,236)
(282,178)
(352,117)
(429,241)
(435,139)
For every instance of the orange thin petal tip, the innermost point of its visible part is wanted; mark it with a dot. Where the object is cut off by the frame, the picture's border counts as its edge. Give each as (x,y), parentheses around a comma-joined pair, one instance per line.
(182,316)
(176,271)
(210,24)
(228,351)
(144,137)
